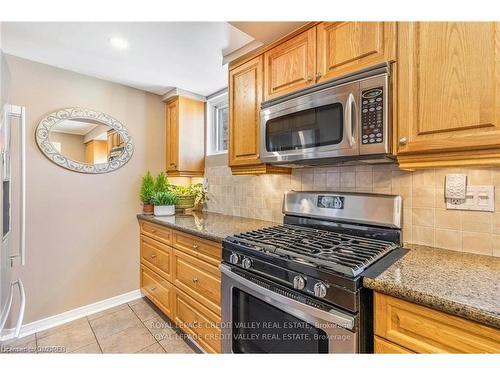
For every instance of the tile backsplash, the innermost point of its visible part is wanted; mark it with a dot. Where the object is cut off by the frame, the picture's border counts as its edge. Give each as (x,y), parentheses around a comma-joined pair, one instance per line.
(426,220)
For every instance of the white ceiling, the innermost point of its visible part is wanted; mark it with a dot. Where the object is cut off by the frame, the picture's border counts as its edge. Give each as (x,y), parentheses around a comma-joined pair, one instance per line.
(74,127)
(161,55)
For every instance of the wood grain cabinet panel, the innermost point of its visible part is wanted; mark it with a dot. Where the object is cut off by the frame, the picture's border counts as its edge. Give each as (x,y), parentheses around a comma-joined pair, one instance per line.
(424,330)
(158,290)
(185,137)
(156,232)
(382,346)
(199,279)
(208,251)
(448,88)
(345,47)
(198,321)
(245,96)
(157,256)
(291,65)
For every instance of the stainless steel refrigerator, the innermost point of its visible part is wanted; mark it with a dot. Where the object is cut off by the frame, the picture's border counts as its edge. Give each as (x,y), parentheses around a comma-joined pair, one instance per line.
(12,254)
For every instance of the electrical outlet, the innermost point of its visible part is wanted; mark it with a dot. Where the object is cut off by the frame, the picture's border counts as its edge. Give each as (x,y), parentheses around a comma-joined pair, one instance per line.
(477,198)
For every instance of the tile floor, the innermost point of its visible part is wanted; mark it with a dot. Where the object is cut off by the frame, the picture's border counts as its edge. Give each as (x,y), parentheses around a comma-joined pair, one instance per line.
(134,327)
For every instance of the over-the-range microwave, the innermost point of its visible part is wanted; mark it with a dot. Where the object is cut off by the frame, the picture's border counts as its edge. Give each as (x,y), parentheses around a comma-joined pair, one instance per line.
(345,120)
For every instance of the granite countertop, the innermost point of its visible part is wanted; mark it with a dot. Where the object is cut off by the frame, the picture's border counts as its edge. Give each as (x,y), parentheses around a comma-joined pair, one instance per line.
(209,225)
(461,284)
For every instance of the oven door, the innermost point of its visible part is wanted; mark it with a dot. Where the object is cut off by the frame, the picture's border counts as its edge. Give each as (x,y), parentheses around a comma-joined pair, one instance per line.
(317,125)
(265,318)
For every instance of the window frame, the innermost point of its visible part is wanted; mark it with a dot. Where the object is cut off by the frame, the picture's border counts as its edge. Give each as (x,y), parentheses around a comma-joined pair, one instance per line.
(215,103)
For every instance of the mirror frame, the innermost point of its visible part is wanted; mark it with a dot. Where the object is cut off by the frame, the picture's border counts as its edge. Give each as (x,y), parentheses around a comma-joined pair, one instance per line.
(48,122)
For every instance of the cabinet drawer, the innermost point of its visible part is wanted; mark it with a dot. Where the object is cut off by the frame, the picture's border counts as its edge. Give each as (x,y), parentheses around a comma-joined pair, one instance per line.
(425,330)
(198,321)
(386,347)
(158,290)
(199,248)
(199,279)
(157,256)
(156,232)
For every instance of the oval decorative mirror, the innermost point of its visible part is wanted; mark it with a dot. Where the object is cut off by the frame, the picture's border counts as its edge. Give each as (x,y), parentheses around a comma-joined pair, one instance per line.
(84,140)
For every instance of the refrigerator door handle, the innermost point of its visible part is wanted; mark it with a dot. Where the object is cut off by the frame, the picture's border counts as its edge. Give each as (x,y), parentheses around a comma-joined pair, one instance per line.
(19,112)
(22,307)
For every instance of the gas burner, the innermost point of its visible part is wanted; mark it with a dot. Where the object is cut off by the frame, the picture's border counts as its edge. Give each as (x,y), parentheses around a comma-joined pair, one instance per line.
(343,253)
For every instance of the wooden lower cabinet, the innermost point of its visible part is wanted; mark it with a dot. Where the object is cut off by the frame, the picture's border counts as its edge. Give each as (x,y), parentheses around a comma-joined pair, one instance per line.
(198,321)
(183,281)
(158,290)
(386,347)
(420,329)
(199,279)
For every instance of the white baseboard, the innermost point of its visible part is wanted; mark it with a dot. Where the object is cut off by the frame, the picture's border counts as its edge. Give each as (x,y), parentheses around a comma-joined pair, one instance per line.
(68,316)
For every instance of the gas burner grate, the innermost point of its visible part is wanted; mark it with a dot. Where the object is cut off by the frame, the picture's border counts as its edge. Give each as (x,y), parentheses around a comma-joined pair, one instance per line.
(340,252)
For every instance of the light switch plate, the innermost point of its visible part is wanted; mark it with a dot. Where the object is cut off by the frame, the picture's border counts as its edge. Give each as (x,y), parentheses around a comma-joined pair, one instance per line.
(477,198)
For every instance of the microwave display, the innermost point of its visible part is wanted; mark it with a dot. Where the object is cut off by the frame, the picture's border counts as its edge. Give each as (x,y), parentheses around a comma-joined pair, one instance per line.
(315,127)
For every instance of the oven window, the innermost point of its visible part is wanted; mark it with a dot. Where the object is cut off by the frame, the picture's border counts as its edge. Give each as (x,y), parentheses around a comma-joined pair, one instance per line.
(259,327)
(320,126)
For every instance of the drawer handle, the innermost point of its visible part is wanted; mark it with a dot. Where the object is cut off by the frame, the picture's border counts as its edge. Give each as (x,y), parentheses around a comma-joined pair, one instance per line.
(153,230)
(195,280)
(195,246)
(152,289)
(153,256)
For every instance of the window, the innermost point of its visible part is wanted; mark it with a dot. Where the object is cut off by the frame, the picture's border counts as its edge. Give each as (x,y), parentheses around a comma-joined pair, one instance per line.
(217,123)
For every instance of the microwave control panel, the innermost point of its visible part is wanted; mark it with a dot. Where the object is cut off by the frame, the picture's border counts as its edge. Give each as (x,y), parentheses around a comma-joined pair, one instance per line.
(372,112)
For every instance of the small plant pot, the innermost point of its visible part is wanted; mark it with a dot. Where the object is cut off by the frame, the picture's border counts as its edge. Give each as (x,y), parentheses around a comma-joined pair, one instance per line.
(184,202)
(148,208)
(164,210)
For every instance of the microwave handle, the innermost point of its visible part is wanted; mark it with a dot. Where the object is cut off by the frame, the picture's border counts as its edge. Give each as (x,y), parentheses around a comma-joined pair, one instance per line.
(350,110)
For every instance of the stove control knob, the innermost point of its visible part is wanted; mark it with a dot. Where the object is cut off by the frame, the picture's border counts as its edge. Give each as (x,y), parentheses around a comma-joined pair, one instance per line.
(247,263)
(319,290)
(299,282)
(234,258)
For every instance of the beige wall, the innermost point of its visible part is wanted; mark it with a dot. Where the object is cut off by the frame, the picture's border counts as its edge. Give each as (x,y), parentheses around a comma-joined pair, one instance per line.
(82,233)
(72,145)
(426,221)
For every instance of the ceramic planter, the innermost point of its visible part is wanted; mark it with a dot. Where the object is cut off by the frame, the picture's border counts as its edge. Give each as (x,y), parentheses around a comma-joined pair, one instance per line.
(147,208)
(164,210)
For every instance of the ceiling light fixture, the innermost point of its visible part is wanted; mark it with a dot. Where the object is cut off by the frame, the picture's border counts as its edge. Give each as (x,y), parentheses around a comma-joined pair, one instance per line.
(118,43)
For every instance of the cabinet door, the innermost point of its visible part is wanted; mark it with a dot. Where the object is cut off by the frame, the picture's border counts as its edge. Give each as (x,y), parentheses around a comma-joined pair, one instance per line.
(245,96)
(344,47)
(172,159)
(448,87)
(291,65)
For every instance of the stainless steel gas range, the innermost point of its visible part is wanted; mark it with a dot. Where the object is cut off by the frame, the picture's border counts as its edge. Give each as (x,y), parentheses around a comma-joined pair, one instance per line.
(297,287)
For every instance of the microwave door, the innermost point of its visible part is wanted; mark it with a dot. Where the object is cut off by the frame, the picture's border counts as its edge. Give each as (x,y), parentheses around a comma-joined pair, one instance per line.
(314,126)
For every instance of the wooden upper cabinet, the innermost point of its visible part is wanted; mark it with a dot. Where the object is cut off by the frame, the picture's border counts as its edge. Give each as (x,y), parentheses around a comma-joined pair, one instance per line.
(290,66)
(345,47)
(448,93)
(185,137)
(245,96)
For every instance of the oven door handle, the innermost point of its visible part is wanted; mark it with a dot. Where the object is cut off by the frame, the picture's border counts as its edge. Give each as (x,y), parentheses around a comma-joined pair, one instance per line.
(333,316)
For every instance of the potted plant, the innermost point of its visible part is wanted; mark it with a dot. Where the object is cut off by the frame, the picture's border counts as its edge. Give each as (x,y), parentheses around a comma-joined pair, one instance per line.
(188,196)
(161,183)
(147,193)
(164,202)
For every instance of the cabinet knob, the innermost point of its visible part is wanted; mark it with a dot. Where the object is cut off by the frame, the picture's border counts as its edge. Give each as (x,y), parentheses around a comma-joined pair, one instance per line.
(153,256)
(195,280)
(318,75)
(309,79)
(153,230)
(195,246)
(152,289)
(403,141)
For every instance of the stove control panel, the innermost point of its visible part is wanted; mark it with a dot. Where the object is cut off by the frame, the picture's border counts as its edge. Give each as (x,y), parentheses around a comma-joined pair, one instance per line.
(372,112)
